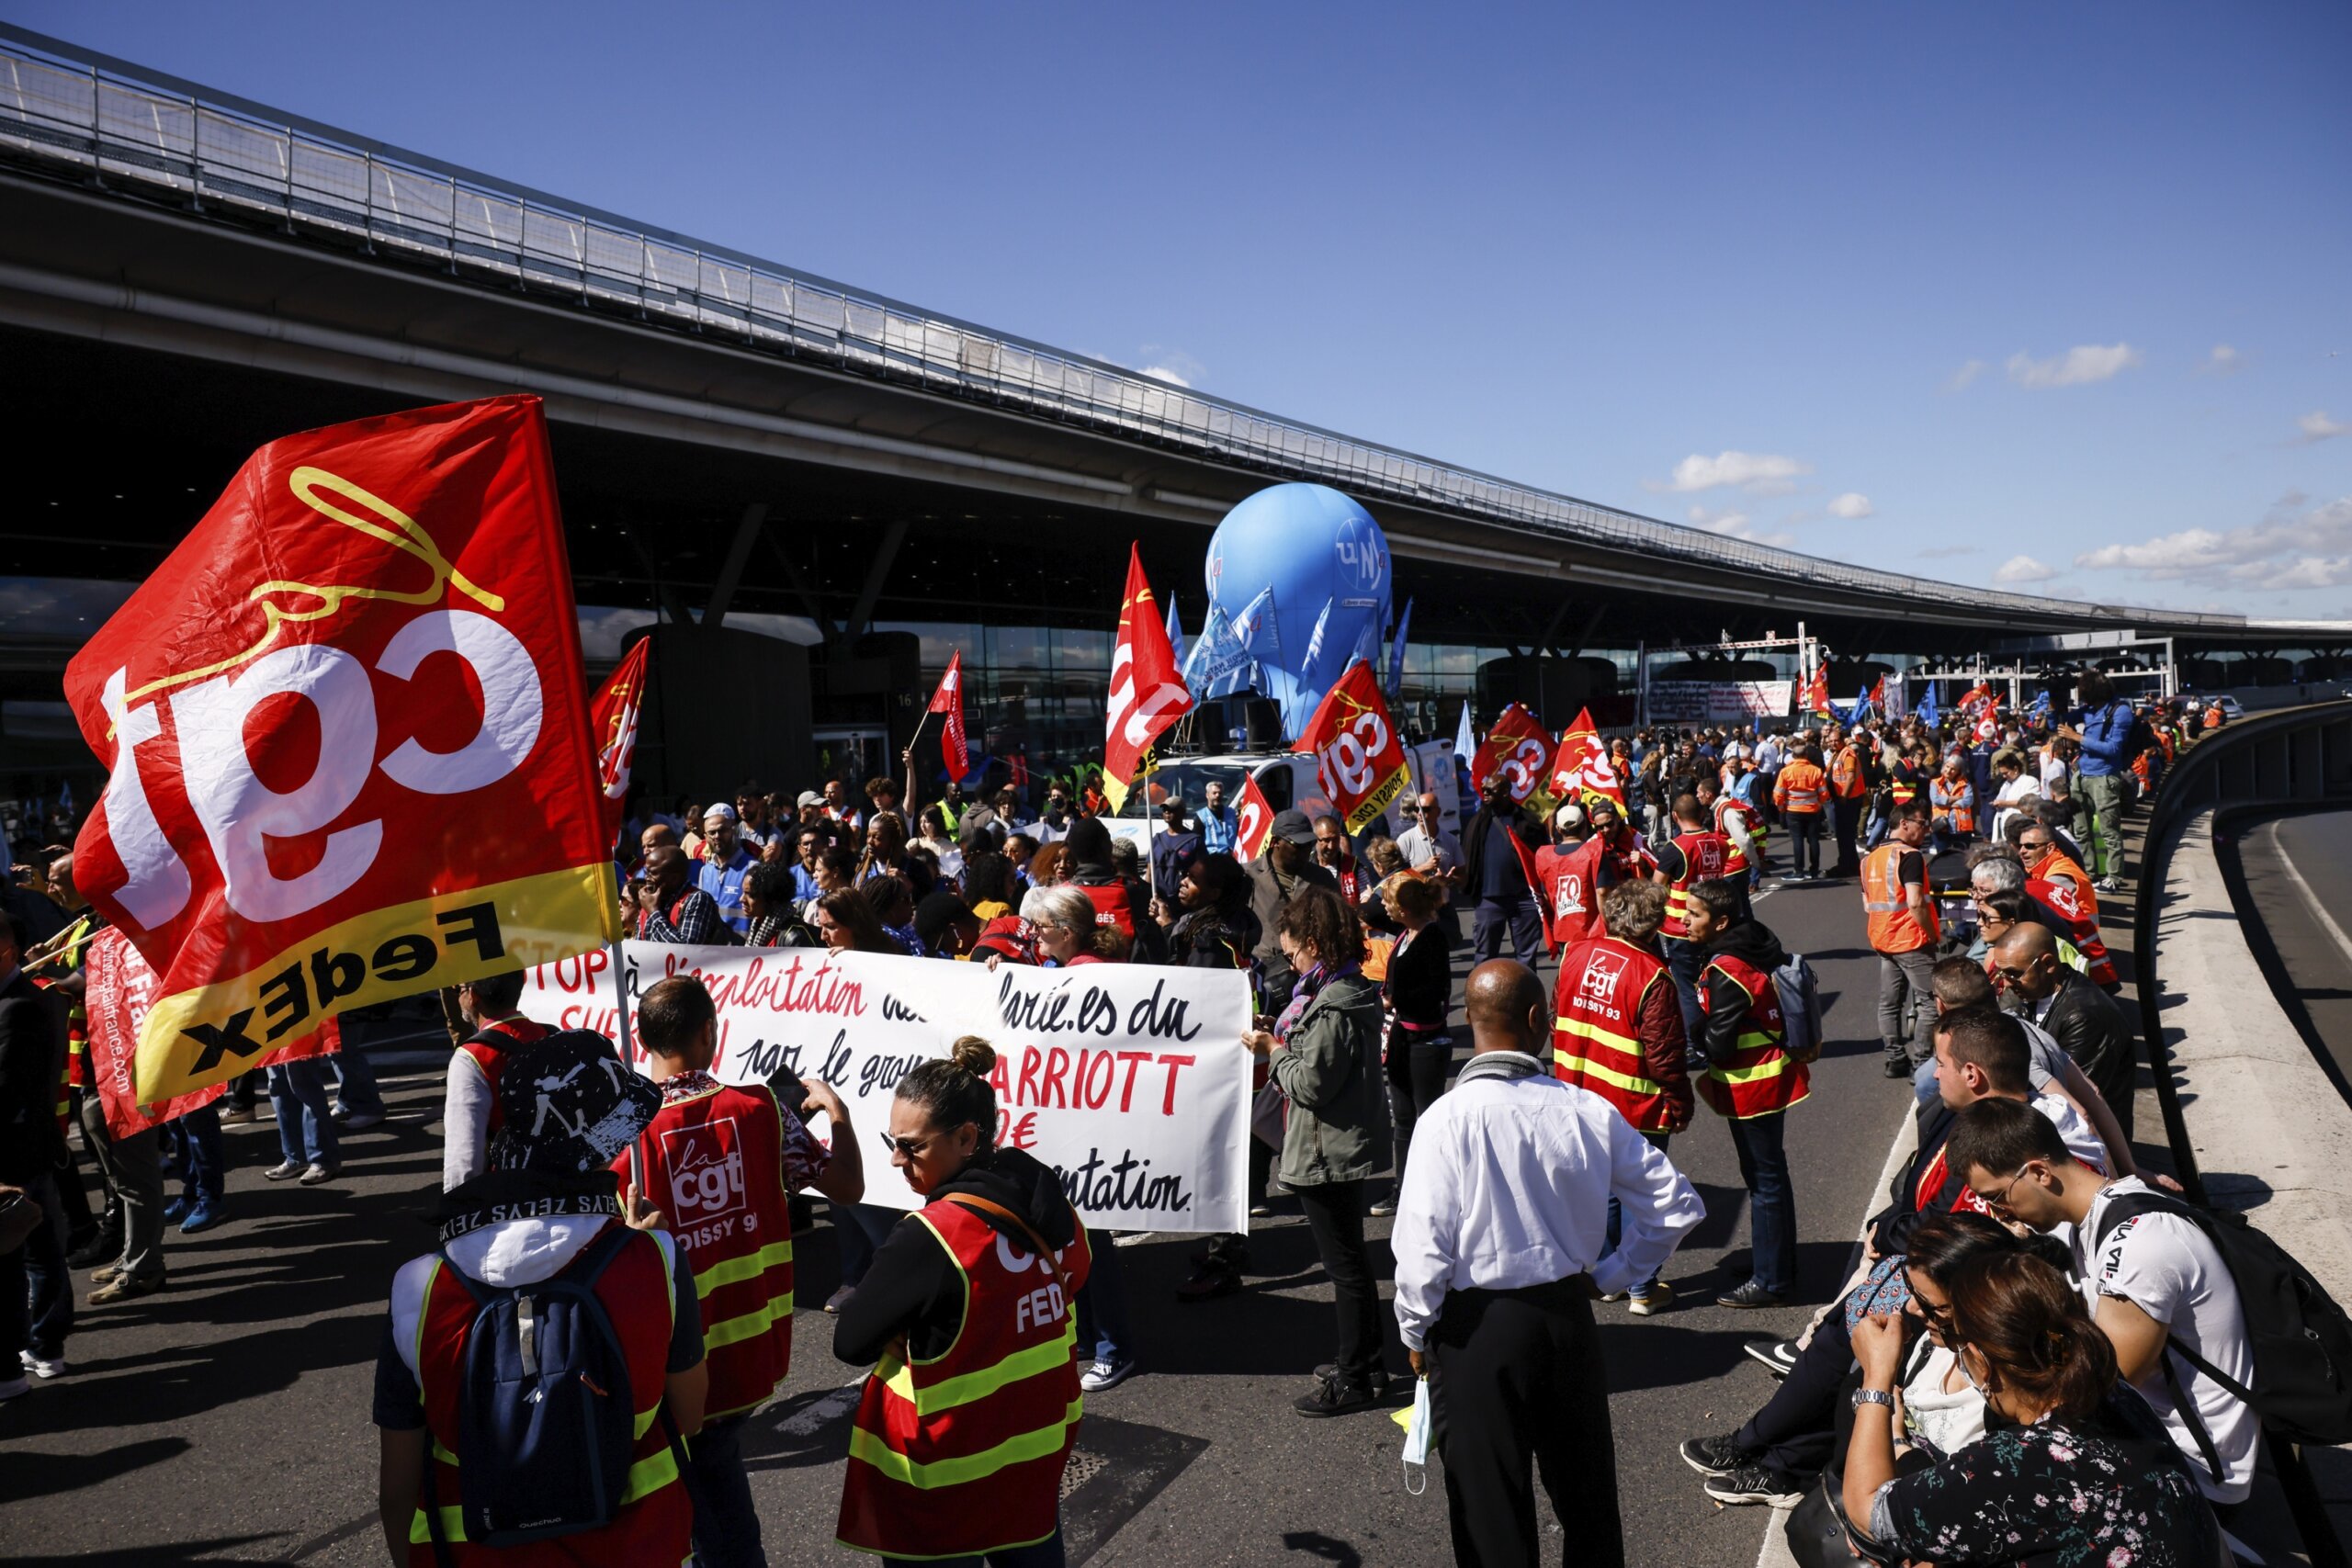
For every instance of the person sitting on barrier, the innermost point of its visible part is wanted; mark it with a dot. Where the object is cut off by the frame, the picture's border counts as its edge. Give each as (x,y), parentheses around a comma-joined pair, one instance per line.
(1980,1055)
(2155,1281)
(2085,1021)
(2076,1458)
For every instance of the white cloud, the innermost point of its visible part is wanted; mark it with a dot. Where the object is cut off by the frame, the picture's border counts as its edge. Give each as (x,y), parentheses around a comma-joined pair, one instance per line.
(2078,367)
(2023,569)
(1961,377)
(2316,426)
(1161,373)
(1853,506)
(1173,365)
(2288,549)
(1756,473)
(2224,361)
(1734,525)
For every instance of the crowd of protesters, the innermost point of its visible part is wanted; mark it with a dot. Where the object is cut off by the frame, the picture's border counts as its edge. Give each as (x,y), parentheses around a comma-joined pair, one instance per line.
(1972,1378)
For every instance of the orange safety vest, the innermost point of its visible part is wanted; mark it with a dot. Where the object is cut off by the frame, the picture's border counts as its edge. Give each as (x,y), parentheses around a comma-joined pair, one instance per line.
(1799,789)
(1596,1041)
(1761,1079)
(962,1456)
(1846,775)
(713,1165)
(1892,927)
(2057,865)
(1567,878)
(1953,803)
(655,1520)
(1705,857)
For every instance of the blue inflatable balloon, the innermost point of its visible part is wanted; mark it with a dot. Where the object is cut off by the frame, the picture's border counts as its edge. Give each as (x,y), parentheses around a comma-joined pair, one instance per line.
(1326,560)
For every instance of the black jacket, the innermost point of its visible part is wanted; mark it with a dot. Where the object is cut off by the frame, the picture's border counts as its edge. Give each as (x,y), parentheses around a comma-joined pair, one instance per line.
(32,1059)
(1890,1229)
(2091,1027)
(1474,845)
(1266,901)
(914,1288)
(1213,939)
(1753,942)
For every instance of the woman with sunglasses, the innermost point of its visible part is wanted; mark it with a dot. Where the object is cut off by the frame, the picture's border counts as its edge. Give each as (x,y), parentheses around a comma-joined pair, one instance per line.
(964,1426)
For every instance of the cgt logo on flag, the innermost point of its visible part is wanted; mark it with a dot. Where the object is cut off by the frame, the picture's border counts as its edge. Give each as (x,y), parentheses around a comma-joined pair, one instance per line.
(347,738)
(1357,757)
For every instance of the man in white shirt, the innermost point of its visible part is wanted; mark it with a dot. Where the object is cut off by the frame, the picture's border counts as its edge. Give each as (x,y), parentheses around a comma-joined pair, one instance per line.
(2155,1283)
(1429,848)
(1501,1229)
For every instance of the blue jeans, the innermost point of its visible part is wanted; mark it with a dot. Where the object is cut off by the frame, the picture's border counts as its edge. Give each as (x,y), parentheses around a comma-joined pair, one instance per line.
(1520,918)
(297,1092)
(36,1288)
(203,1165)
(1686,961)
(358,1095)
(727,1525)
(1617,1215)
(1046,1553)
(1771,1200)
(1102,1324)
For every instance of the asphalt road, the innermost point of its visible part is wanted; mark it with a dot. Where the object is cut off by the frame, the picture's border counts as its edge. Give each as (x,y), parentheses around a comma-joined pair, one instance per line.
(2298,877)
(225,1420)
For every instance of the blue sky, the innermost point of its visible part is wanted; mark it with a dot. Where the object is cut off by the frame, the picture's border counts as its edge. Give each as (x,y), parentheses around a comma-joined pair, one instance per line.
(2054,296)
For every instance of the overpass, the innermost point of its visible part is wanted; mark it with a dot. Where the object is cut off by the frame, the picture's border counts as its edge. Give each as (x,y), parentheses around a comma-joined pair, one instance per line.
(185,274)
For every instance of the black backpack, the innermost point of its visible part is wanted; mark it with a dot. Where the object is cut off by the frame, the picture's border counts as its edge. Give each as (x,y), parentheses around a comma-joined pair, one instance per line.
(2300,1339)
(546,1423)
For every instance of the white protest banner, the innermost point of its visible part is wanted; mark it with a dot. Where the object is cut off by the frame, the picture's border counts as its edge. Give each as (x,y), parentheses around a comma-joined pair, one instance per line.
(1719,701)
(1129,1079)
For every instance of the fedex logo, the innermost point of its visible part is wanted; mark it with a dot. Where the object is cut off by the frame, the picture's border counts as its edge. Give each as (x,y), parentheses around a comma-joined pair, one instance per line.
(706,1171)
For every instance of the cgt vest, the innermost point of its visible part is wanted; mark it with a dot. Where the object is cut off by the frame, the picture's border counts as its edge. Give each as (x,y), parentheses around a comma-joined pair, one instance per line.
(489,1048)
(1761,1079)
(2082,928)
(714,1166)
(1110,901)
(1596,1043)
(1707,857)
(1892,927)
(962,1456)
(1567,885)
(1727,807)
(655,1520)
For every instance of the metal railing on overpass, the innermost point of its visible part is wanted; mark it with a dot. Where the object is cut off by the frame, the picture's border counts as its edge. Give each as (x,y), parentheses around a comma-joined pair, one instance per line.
(122,126)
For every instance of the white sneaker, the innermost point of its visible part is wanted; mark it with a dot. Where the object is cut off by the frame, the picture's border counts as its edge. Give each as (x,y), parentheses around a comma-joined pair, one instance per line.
(1099,1375)
(43,1368)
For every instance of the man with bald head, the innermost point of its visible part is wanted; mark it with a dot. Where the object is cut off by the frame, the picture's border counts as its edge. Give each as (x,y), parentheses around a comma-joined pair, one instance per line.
(2085,1021)
(1501,1228)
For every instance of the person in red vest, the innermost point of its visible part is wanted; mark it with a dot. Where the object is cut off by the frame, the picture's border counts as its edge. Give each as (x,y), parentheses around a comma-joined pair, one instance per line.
(547,1211)
(964,1426)
(1629,855)
(1696,854)
(1618,1031)
(1570,873)
(721,1162)
(1751,1080)
(1903,932)
(469,1105)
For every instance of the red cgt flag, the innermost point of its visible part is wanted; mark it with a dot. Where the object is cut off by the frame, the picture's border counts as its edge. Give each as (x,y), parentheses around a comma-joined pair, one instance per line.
(614,715)
(1253,821)
(949,700)
(1520,748)
(1582,769)
(1147,695)
(347,737)
(1817,692)
(1358,758)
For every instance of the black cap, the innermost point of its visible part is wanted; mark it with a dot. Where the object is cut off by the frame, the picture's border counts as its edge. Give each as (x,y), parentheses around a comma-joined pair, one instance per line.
(568,1105)
(1293,828)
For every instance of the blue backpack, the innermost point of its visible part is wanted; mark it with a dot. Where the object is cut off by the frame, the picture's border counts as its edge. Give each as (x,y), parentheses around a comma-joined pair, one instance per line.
(1800,997)
(546,1422)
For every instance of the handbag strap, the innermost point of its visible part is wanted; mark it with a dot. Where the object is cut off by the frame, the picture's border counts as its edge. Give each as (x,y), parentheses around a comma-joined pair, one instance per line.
(989,1206)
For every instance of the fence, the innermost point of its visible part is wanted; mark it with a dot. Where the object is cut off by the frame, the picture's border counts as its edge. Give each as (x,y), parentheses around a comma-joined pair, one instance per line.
(145,133)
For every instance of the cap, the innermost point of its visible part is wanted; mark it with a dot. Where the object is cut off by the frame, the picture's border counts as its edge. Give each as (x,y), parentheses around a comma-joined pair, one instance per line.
(1173,803)
(1293,828)
(723,811)
(568,1105)
(1570,814)
(1010,937)
(810,797)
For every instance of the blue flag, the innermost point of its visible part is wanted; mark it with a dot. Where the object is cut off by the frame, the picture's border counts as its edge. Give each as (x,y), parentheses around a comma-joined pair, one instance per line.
(1219,665)
(1861,705)
(1175,633)
(2040,704)
(1397,652)
(1927,711)
(1465,739)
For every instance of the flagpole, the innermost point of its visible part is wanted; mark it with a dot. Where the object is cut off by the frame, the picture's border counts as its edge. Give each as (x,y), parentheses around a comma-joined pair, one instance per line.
(911,766)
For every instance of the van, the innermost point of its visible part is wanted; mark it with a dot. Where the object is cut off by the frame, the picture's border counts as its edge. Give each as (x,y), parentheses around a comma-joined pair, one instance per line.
(1287,781)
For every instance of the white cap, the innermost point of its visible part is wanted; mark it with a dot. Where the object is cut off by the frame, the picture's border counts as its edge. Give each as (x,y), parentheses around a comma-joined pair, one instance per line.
(1570,814)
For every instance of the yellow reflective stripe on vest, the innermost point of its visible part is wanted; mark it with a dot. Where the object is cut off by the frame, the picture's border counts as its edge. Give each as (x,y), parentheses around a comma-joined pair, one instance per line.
(1591,1068)
(863,1445)
(1584,1029)
(1771,1070)
(759,1320)
(743,1267)
(950,1392)
(646,1477)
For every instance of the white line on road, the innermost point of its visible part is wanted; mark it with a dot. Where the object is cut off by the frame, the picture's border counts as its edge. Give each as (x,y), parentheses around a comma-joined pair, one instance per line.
(2311,899)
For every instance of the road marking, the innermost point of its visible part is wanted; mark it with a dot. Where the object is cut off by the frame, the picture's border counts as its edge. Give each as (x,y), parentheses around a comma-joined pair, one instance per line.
(2311,898)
